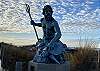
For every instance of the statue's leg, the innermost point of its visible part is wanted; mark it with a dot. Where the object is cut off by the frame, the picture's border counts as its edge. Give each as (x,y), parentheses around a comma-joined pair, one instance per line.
(61,58)
(41,57)
(54,59)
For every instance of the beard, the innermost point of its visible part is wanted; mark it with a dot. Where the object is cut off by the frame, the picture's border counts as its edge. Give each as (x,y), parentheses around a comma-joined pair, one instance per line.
(48,17)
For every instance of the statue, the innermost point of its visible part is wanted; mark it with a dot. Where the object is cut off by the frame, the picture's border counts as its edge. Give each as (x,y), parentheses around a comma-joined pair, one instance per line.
(50,50)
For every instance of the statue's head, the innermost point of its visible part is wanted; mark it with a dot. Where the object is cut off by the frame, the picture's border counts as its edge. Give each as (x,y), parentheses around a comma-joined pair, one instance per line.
(47,11)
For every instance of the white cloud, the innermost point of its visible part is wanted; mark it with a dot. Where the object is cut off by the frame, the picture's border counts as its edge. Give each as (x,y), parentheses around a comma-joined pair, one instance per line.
(97,10)
(15,18)
(89,2)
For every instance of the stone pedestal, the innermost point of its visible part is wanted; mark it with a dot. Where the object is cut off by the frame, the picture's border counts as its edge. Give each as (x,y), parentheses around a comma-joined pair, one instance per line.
(48,67)
(18,66)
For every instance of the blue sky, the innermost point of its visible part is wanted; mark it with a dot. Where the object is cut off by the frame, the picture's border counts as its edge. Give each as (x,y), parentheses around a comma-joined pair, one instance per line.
(76,18)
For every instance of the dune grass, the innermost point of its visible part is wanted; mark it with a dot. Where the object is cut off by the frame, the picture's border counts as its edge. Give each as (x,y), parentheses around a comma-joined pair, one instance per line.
(85,59)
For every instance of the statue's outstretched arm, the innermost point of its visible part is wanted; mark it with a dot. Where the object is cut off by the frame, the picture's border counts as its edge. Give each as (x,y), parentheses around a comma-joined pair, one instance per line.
(57,34)
(36,24)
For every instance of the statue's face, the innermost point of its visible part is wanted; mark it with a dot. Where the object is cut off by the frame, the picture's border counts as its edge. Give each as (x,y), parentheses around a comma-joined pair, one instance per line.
(47,13)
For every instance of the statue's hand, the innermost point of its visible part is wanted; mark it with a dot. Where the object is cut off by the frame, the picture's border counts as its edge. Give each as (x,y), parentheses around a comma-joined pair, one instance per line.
(32,22)
(40,45)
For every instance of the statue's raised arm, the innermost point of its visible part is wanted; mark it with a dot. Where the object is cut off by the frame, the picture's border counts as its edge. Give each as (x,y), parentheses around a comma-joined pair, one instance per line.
(32,21)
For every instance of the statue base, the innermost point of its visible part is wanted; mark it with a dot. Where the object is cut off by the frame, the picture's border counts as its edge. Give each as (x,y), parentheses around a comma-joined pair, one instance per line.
(48,67)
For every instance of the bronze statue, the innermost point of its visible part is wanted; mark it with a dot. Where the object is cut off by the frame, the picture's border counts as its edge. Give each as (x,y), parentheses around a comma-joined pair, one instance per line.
(49,49)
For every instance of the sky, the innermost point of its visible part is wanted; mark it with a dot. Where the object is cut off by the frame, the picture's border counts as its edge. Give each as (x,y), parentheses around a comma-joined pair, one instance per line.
(76,18)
